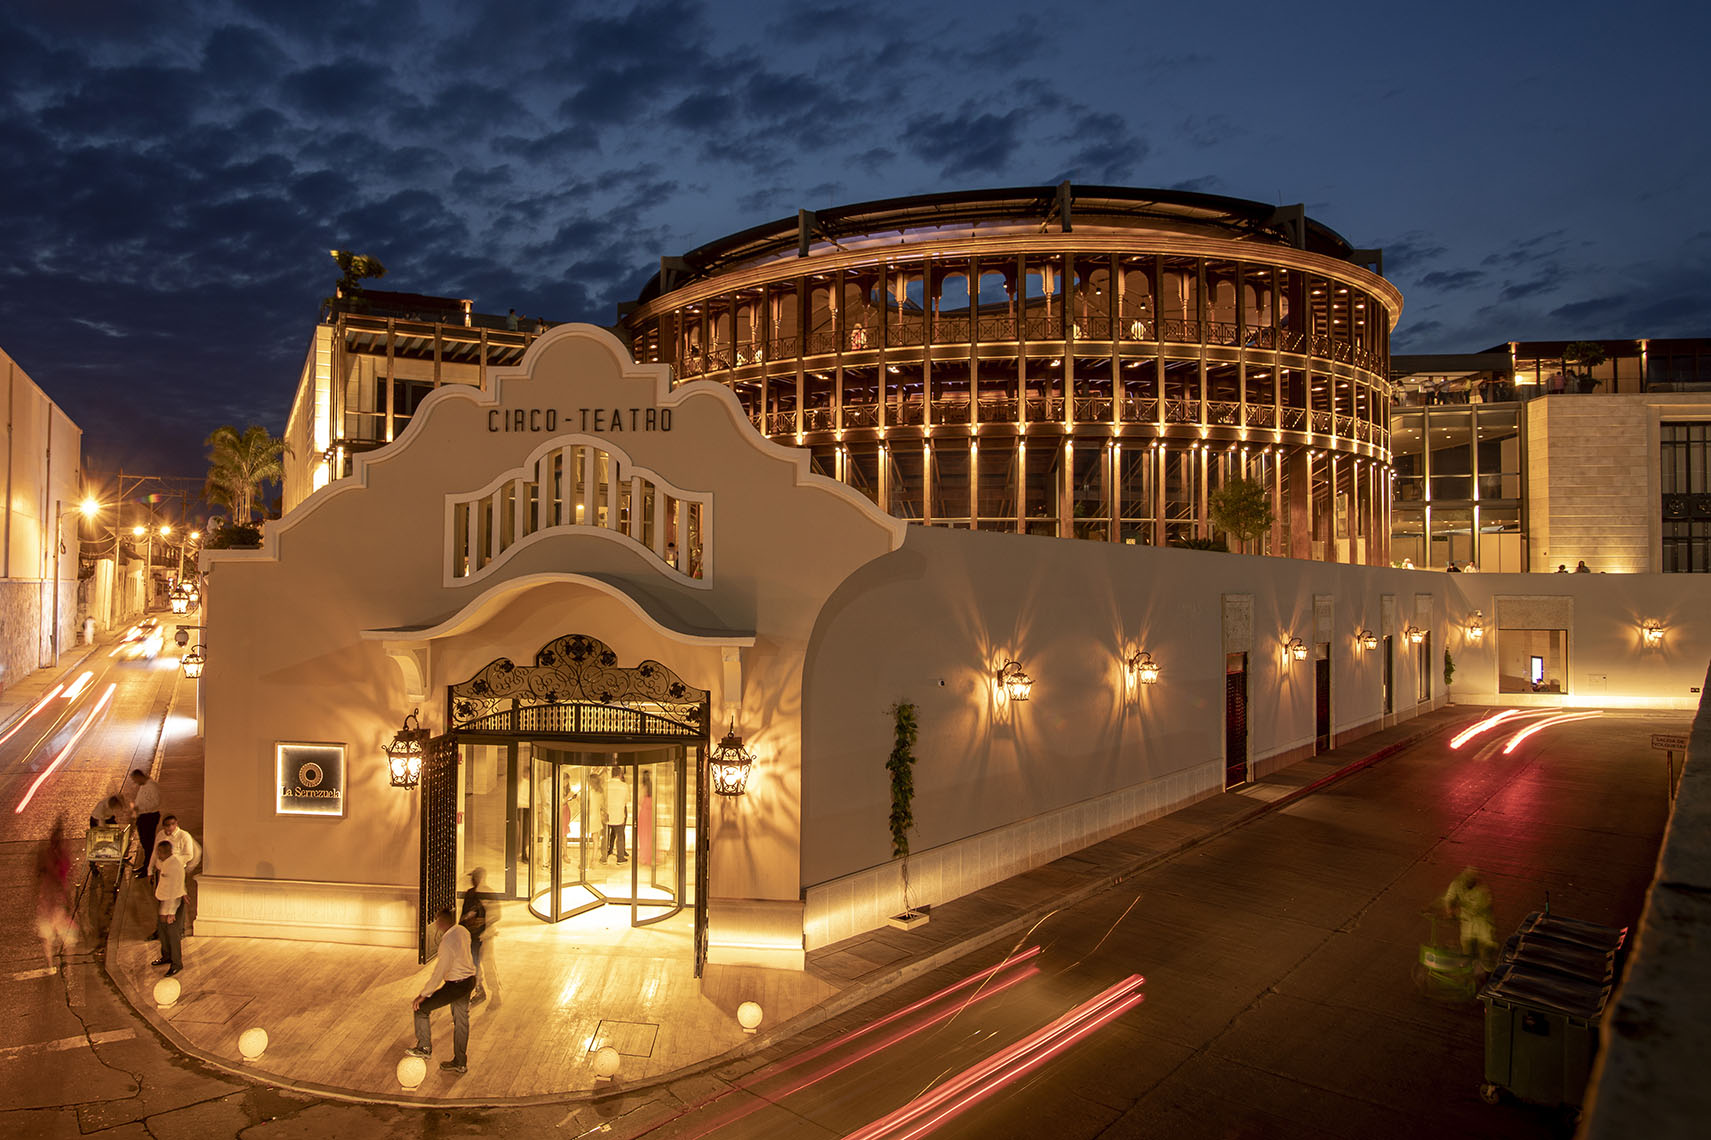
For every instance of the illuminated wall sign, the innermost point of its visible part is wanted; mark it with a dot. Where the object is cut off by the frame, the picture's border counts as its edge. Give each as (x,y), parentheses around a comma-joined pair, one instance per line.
(309,779)
(608,420)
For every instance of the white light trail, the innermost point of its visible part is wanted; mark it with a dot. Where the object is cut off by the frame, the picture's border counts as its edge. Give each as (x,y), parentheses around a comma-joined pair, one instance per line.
(84,680)
(1469,733)
(1514,741)
(23,720)
(67,750)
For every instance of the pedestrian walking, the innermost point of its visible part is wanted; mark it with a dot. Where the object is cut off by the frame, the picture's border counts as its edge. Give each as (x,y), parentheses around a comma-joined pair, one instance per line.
(169,894)
(617,812)
(450,983)
(1468,901)
(145,802)
(189,852)
(472,916)
(54,923)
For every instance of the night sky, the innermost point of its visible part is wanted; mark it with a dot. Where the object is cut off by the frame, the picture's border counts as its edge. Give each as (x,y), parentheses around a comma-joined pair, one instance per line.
(174,174)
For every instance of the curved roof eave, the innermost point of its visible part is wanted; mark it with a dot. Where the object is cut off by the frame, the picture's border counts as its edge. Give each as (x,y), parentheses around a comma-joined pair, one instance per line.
(976,205)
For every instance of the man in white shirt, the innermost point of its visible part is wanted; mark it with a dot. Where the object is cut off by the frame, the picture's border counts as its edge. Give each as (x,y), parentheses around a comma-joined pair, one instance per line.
(145,802)
(617,807)
(450,983)
(169,893)
(189,852)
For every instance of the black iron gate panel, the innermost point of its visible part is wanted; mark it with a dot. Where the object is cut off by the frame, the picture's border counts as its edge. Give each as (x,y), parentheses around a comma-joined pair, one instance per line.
(703,845)
(577,688)
(439,838)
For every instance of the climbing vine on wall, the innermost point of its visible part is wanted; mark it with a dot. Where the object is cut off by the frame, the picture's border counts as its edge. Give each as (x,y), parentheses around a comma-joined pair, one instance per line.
(901,766)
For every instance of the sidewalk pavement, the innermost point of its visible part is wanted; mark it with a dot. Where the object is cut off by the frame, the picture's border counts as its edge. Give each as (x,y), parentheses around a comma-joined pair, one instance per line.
(338,1016)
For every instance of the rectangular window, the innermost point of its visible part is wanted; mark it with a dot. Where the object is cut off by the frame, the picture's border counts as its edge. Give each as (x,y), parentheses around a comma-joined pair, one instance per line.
(1532,661)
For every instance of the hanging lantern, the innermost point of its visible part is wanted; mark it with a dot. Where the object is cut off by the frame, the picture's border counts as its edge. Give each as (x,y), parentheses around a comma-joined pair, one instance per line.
(180,602)
(1015,683)
(404,754)
(193,662)
(730,764)
(1476,627)
(1368,639)
(1296,648)
(1144,668)
(1652,631)
(1414,634)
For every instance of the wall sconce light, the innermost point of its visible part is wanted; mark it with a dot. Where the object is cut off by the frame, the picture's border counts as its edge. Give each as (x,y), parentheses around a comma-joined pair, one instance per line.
(193,662)
(1414,634)
(730,764)
(1015,684)
(1296,648)
(1368,640)
(1652,631)
(1476,627)
(404,755)
(1143,668)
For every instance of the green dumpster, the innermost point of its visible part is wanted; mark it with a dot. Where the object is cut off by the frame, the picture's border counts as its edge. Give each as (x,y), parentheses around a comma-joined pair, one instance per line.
(1541,1033)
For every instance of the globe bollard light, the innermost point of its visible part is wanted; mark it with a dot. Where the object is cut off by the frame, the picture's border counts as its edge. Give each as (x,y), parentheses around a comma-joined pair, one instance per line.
(252,1043)
(749,1015)
(411,1071)
(606,1063)
(166,992)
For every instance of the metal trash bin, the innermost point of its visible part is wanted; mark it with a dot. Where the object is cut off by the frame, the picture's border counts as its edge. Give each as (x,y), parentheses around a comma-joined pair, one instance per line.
(1544,924)
(1569,958)
(1541,1033)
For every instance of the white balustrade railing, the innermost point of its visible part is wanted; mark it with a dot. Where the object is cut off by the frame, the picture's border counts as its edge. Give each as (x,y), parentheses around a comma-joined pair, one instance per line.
(579,483)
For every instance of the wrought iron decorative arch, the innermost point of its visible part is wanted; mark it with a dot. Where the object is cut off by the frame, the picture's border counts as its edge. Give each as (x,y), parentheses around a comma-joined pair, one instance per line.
(577,689)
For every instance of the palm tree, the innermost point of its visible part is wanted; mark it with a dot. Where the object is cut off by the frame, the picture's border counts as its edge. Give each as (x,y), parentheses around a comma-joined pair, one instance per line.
(240,464)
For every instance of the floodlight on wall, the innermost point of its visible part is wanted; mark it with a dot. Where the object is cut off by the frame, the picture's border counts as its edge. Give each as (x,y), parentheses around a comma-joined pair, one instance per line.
(730,764)
(1652,632)
(1296,648)
(1143,668)
(193,662)
(1414,634)
(405,754)
(1368,640)
(1014,683)
(1476,627)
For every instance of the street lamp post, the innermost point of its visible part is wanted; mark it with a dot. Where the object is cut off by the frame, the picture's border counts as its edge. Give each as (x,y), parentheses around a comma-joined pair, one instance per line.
(87,508)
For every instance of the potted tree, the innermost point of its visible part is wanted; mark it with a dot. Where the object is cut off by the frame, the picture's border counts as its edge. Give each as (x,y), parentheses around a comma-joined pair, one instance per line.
(1241,508)
(900,765)
(1579,358)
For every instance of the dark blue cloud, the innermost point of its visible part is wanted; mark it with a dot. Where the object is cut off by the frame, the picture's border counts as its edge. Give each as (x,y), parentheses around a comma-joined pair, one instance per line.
(178,172)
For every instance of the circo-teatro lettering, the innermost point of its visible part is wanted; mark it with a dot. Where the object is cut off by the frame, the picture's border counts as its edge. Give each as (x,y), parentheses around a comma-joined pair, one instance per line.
(605,420)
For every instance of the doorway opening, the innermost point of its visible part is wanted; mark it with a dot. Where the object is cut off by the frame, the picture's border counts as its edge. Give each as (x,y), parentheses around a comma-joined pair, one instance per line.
(568,828)
(571,785)
(1235,719)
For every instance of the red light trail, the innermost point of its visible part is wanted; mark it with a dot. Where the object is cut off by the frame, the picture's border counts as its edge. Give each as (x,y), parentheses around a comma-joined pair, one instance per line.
(974,1084)
(904,1023)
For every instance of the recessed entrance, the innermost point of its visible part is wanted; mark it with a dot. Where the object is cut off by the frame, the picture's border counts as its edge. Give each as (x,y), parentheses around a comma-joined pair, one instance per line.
(568,828)
(572,784)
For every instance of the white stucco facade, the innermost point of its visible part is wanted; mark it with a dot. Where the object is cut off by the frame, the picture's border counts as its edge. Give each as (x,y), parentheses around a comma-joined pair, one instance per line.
(490,528)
